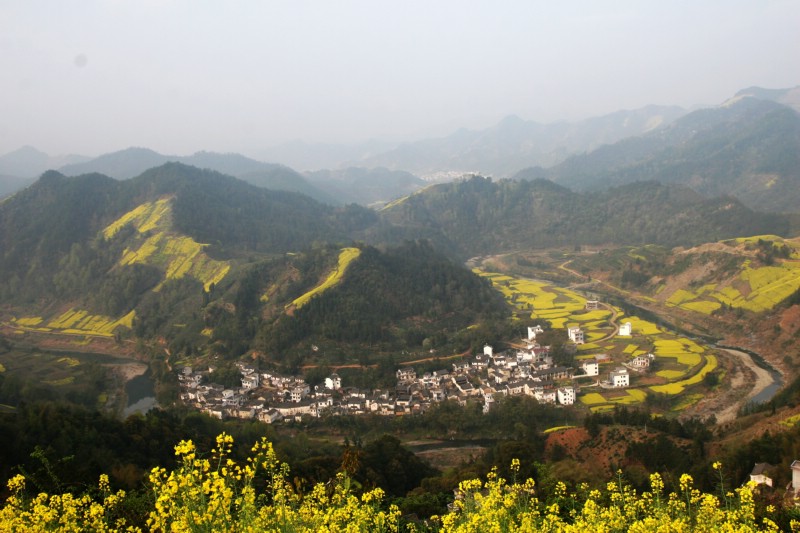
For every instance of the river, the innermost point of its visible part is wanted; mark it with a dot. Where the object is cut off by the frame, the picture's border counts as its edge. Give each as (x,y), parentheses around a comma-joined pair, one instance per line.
(768,380)
(140,391)
(139,385)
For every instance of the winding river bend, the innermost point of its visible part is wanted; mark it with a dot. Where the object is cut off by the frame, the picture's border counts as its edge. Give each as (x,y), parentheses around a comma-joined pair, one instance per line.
(768,380)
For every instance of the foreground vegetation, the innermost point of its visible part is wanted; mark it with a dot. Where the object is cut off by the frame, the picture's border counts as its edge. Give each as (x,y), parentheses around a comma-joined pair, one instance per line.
(212,492)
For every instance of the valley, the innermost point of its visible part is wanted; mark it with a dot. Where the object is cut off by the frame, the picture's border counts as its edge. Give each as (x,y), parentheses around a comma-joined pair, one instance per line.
(412,334)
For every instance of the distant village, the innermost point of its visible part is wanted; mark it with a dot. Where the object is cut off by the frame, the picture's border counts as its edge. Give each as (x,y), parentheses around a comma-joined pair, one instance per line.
(271,397)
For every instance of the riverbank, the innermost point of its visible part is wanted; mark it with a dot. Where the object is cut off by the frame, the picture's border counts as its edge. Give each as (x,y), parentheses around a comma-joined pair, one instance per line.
(760,381)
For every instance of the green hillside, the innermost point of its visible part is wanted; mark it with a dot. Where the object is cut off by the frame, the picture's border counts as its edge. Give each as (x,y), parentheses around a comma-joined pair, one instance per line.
(479,216)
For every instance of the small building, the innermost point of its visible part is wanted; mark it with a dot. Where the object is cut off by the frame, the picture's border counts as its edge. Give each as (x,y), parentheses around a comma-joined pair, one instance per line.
(250,381)
(619,377)
(406,374)
(575,335)
(591,367)
(795,476)
(533,331)
(270,416)
(626,329)
(641,362)
(488,350)
(479,362)
(592,305)
(333,382)
(760,474)
(461,367)
(566,395)
(299,392)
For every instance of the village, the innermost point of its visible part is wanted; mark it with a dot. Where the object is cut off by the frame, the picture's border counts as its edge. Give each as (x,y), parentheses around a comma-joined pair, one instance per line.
(529,370)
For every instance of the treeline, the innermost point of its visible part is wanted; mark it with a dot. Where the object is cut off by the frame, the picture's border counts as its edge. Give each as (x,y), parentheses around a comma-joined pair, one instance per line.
(61,447)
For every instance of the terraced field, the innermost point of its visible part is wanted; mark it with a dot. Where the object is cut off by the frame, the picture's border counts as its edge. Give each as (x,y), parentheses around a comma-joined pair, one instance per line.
(753,289)
(75,322)
(346,256)
(177,255)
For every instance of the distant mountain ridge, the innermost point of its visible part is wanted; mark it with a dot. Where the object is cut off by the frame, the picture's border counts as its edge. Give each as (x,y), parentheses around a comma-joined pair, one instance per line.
(366,186)
(748,147)
(28,162)
(357,185)
(514,144)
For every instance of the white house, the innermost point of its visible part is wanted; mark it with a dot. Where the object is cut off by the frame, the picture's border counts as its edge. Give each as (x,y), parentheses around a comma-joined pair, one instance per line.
(760,474)
(250,381)
(406,374)
(533,331)
(566,395)
(591,305)
(591,367)
(795,476)
(545,395)
(299,392)
(619,377)
(641,362)
(575,335)
(488,350)
(269,416)
(333,382)
(626,329)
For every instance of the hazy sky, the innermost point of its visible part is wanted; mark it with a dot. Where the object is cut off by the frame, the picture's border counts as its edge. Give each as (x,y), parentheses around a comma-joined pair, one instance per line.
(179,76)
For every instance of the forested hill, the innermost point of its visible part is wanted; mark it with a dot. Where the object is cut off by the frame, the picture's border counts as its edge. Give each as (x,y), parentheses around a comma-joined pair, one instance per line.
(748,148)
(58,217)
(396,297)
(479,216)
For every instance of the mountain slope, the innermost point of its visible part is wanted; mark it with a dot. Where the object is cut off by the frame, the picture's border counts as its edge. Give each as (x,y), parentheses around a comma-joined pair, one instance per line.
(394,297)
(748,148)
(60,219)
(479,216)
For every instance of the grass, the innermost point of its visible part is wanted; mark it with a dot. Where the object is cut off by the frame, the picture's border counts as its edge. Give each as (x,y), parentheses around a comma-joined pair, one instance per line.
(346,256)
(29,321)
(753,289)
(687,401)
(670,374)
(557,428)
(679,386)
(79,322)
(61,382)
(791,421)
(145,217)
(593,398)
